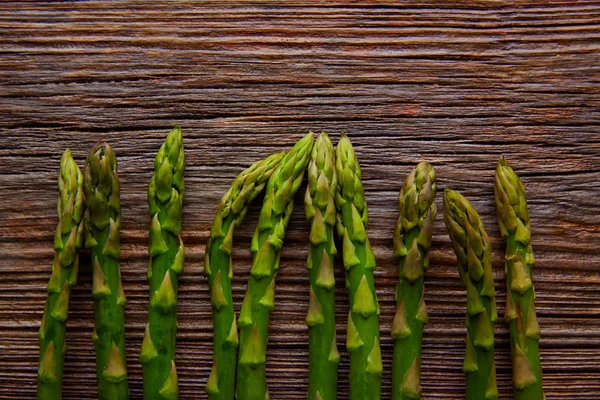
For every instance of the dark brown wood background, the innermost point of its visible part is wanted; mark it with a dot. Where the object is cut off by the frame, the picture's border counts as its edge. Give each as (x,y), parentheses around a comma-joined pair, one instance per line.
(455,84)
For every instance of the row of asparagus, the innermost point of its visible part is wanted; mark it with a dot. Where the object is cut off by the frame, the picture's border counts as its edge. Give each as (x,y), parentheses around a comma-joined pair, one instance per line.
(89,217)
(335,202)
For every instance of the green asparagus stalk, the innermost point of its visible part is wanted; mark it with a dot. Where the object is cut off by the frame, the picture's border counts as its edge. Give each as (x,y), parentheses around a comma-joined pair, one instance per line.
(217,266)
(515,227)
(68,239)
(412,239)
(266,248)
(165,197)
(359,261)
(320,210)
(474,254)
(103,221)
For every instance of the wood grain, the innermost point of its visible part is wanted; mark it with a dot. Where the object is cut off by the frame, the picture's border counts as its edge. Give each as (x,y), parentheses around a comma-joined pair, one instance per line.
(457,84)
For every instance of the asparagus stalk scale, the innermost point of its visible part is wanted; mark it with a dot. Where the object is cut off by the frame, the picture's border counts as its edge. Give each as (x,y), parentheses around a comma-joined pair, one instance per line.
(217,266)
(165,196)
(102,219)
(515,227)
(474,254)
(320,210)
(67,242)
(412,239)
(359,261)
(266,248)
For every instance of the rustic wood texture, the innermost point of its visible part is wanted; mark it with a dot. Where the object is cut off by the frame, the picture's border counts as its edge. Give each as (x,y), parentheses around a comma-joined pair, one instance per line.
(457,85)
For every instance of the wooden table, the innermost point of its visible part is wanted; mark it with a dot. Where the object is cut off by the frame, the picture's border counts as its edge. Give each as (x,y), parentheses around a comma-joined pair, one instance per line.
(456,85)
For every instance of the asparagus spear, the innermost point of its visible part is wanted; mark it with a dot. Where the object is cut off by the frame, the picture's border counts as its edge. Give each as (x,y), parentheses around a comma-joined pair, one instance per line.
(67,242)
(515,227)
(165,196)
(217,266)
(359,261)
(266,248)
(103,220)
(474,254)
(320,210)
(412,239)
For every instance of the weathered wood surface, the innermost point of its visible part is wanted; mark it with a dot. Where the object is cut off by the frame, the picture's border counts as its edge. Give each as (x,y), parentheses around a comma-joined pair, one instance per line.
(457,85)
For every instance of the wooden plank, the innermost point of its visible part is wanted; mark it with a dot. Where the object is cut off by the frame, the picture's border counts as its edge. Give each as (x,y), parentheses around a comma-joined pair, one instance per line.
(455,84)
